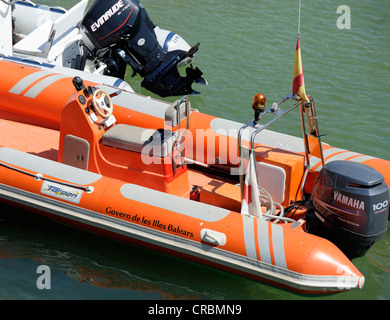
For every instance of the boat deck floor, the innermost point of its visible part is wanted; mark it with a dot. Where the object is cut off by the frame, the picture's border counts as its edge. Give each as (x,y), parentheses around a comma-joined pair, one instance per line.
(31,139)
(44,142)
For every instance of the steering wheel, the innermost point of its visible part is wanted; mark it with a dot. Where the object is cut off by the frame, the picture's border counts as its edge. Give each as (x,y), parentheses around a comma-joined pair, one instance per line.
(103,105)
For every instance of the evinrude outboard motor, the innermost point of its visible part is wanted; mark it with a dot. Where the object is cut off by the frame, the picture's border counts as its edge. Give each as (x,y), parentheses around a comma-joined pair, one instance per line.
(123,29)
(350,206)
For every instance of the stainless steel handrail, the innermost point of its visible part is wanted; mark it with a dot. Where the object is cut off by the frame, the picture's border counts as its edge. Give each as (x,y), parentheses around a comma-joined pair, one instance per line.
(273,110)
(180,136)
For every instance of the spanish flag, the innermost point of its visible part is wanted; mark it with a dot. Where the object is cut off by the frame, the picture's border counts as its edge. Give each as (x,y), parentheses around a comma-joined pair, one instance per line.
(298,88)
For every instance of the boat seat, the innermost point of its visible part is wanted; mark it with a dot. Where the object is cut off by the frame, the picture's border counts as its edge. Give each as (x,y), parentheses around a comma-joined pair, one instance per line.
(51,38)
(153,142)
(37,14)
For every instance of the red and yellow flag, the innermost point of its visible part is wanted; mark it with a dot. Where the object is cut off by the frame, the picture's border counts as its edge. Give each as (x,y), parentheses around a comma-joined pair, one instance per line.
(298,80)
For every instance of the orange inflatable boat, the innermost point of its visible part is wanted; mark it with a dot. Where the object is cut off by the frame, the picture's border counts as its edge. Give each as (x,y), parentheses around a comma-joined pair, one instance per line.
(278,209)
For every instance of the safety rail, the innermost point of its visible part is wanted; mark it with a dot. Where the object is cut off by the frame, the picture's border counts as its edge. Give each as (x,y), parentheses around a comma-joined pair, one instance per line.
(180,135)
(258,128)
(305,108)
(39,176)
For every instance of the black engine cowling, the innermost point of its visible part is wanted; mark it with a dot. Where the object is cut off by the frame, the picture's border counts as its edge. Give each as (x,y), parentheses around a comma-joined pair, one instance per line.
(124,28)
(350,206)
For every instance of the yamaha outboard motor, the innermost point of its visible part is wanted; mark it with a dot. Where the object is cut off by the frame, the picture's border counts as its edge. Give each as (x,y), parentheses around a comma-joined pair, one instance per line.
(122,30)
(350,206)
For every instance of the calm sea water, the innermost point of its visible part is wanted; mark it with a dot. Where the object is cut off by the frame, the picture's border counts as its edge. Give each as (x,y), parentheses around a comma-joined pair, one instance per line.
(246,47)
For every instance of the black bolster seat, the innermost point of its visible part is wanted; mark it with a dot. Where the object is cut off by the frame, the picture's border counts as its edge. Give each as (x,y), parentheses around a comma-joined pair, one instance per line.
(153,142)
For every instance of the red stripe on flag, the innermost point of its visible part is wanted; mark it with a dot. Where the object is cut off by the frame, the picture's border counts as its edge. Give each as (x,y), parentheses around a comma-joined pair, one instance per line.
(298,44)
(297,83)
(247,195)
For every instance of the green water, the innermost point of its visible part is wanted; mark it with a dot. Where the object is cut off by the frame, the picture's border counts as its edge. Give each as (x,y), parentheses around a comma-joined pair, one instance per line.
(246,47)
